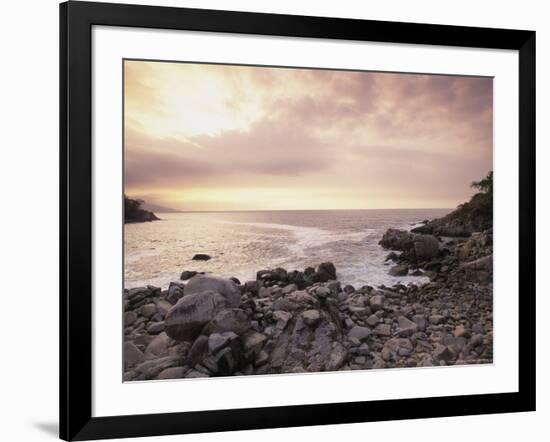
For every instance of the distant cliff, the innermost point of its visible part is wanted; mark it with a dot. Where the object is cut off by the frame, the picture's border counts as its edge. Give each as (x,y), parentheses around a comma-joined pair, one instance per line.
(133,213)
(475,215)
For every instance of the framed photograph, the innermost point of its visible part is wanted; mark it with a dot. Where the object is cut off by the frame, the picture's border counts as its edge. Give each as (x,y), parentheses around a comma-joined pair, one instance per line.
(273,220)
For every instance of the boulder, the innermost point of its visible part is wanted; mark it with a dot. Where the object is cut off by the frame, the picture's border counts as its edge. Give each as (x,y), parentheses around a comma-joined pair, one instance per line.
(228,320)
(152,367)
(148,310)
(175,291)
(460,331)
(359,332)
(397,347)
(198,351)
(399,270)
(225,287)
(420,321)
(220,340)
(377,302)
(289,289)
(484,263)
(253,341)
(171,373)
(383,330)
(426,247)
(396,239)
(373,320)
(325,272)
(442,353)
(159,345)
(187,274)
(201,257)
(155,328)
(132,355)
(252,287)
(129,318)
(186,319)
(311,317)
(406,326)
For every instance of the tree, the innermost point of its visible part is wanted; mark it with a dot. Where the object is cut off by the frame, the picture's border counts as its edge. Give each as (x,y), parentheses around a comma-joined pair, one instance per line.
(485,185)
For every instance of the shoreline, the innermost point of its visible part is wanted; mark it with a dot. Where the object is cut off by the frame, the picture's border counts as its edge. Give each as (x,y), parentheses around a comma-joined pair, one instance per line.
(248,273)
(291,322)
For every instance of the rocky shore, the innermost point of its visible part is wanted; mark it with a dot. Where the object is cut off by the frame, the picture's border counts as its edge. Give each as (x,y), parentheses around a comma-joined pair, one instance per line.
(134,213)
(308,321)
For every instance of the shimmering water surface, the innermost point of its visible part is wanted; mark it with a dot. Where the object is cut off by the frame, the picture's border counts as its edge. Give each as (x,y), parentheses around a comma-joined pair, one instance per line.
(240,243)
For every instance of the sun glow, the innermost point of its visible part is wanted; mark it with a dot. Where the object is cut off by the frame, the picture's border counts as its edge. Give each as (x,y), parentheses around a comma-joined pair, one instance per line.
(223,137)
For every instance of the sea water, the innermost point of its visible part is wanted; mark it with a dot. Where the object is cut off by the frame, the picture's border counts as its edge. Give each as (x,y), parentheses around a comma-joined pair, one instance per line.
(241,243)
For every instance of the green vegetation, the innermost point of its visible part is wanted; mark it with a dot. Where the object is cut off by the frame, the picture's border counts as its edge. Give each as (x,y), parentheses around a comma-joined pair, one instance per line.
(485,185)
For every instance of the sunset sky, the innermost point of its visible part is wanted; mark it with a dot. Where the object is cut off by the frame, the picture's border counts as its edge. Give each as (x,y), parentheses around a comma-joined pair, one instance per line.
(209,137)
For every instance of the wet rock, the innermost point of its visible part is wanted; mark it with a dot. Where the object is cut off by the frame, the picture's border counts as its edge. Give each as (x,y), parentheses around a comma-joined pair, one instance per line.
(229,320)
(322,292)
(252,287)
(460,331)
(399,347)
(159,345)
(282,317)
(217,341)
(382,330)
(155,328)
(198,351)
(186,319)
(396,239)
(129,318)
(172,373)
(226,361)
(175,292)
(420,321)
(151,368)
(406,326)
(476,340)
(289,289)
(436,319)
(373,320)
(442,353)
(325,272)
(399,270)
(359,332)
(311,317)
(148,310)
(132,355)
(376,302)
(426,247)
(225,287)
(137,292)
(187,274)
(253,341)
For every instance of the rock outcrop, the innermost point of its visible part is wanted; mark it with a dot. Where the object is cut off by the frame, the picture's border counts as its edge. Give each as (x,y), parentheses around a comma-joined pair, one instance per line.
(291,322)
(133,213)
(473,216)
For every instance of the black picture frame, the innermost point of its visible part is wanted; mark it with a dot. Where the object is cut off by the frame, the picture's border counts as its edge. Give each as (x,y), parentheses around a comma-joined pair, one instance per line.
(76,21)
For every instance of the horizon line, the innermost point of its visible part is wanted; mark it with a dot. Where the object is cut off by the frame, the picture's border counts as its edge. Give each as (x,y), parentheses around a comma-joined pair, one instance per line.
(300,210)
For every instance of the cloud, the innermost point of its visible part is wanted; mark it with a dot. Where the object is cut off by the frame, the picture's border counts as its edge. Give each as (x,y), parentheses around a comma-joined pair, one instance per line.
(423,137)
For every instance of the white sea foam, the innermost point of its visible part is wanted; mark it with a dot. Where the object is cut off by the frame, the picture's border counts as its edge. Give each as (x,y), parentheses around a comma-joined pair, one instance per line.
(242,243)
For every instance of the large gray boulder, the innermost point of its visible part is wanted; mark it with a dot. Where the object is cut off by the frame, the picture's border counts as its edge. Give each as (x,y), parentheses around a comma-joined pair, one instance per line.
(186,319)
(396,239)
(426,247)
(225,287)
(228,320)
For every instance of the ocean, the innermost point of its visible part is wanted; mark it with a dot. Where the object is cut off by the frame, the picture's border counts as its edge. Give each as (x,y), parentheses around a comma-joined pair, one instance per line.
(241,243)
